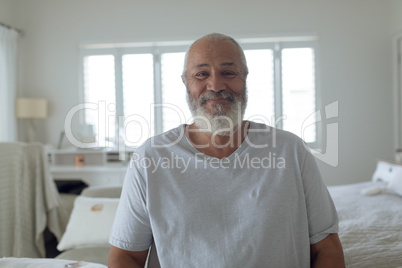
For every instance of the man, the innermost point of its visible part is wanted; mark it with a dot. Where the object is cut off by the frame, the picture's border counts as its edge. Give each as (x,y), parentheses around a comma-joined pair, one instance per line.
(223,192)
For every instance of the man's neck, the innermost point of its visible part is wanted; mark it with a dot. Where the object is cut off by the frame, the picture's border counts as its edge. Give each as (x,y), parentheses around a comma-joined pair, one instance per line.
(216,145)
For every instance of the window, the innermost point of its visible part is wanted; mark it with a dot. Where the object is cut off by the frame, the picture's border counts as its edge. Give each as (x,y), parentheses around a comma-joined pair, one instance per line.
(138,94)
(130,82)
(298,90)
(260,85)
(99,85)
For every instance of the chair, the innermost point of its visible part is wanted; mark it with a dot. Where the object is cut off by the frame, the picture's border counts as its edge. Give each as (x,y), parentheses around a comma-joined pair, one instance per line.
(29,201)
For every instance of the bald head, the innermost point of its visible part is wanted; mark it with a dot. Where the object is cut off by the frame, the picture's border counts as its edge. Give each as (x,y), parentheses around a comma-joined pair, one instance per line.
(212,39)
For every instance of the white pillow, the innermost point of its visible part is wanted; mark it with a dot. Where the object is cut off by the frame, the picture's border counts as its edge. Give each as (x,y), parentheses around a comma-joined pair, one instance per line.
(395,184)
(386,171)
(90,223)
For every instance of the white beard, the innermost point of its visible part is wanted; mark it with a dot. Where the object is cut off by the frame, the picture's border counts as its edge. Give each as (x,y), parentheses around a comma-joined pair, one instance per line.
(219,122)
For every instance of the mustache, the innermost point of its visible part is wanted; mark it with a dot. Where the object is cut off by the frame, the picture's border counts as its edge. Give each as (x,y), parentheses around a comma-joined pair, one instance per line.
(222,94)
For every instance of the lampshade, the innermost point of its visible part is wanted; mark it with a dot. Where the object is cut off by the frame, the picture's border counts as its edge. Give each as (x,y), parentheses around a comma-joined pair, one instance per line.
(31,108)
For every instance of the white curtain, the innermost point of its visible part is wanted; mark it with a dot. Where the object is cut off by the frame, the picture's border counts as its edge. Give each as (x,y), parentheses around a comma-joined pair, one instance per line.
(8,67)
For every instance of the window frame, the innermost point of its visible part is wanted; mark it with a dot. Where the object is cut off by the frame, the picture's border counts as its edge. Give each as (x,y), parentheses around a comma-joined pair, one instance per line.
(158,48)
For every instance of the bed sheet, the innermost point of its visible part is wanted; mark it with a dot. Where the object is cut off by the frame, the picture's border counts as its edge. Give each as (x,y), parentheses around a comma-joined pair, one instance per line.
(370,227)
(45,263)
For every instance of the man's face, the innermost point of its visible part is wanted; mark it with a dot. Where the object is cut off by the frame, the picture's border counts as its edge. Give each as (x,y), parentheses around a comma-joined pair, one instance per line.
(215,80)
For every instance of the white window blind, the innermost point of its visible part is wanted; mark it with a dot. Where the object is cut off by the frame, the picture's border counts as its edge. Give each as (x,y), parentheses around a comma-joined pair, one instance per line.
(138,95)
(99,89)
(298,90)
(173,91)
(260,84)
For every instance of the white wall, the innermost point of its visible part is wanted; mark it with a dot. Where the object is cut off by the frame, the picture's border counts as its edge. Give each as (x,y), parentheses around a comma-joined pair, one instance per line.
(396,16)
(354,50)
(7,12)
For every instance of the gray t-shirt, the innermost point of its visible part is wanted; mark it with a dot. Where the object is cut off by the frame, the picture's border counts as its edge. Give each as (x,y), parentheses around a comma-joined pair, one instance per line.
(260,207)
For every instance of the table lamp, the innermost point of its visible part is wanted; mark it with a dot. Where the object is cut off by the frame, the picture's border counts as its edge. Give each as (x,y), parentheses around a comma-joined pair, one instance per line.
(31,108)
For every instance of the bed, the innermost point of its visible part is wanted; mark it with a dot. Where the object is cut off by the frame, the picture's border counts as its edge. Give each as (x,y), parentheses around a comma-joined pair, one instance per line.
(370,218)
(370,226)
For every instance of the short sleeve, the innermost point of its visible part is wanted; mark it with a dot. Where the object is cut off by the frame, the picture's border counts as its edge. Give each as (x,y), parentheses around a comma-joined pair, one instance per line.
(131,227)
(321,212)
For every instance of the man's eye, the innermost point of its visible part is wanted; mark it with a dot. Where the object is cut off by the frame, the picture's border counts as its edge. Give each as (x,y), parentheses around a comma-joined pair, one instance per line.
(229,74)
(201,75)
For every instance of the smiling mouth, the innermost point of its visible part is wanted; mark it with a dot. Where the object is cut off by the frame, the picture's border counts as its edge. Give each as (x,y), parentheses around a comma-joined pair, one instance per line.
(218,100)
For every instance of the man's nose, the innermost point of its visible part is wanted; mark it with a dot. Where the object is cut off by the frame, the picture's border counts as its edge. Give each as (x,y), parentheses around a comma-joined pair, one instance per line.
(215,83)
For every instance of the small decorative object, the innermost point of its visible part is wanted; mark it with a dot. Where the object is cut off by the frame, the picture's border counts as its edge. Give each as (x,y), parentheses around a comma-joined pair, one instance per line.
(75,264)
(87,134)
(79,160)
(97,207)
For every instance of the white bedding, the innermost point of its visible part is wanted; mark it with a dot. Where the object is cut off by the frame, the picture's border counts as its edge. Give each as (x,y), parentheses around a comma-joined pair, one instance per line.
(45,263)
(29,201)
(370,227)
